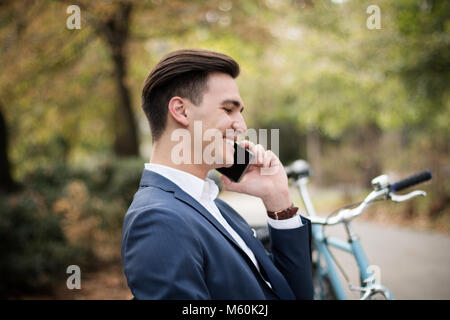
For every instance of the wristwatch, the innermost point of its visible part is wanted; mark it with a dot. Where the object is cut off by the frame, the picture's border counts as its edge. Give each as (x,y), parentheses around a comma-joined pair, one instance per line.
(284,213)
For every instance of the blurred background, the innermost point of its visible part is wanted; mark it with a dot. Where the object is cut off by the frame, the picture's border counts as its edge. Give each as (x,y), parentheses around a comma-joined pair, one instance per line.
(354,101)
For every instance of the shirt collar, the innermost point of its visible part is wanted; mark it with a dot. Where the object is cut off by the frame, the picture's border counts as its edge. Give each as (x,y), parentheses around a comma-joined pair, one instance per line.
(197,188)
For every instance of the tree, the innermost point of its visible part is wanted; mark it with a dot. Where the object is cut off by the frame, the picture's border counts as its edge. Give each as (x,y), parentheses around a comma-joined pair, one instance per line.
(115,30)
(7,183)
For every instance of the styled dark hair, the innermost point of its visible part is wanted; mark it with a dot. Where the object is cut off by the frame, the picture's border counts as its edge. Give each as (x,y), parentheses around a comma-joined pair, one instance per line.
(182,73)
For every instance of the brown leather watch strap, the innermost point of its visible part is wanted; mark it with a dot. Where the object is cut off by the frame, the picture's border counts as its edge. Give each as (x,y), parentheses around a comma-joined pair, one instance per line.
(284,213)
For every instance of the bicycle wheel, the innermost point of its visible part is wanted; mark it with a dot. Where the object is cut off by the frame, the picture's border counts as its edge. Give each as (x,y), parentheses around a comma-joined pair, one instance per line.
(323,289)
(377,295)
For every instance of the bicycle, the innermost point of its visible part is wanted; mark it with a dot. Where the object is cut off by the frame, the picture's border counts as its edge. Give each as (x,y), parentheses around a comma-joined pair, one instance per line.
(327,284)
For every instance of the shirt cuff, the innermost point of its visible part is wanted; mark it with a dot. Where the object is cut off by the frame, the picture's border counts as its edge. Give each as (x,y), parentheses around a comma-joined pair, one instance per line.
(291,223)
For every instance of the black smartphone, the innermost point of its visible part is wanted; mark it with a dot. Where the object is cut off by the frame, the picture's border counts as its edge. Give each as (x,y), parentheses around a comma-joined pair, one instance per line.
(241,162)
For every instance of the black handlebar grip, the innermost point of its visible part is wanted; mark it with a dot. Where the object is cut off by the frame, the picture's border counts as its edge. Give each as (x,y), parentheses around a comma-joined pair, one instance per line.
(410,181)
(297,174)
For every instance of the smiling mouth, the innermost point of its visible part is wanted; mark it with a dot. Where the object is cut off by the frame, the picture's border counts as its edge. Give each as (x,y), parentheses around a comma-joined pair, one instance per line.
(229,141)
(232,138)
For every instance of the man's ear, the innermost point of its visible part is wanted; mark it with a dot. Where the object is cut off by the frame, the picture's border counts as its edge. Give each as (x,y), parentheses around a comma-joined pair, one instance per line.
(178,110)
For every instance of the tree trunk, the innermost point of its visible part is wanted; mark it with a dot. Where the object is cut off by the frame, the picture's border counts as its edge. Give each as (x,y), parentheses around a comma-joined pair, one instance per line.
(7,183)
(116,32)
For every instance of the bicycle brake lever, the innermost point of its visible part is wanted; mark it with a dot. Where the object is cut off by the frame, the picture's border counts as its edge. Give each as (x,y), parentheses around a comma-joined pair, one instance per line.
(400,198)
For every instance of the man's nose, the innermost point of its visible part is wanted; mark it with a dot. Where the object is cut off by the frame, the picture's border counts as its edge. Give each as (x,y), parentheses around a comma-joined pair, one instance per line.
(239,124)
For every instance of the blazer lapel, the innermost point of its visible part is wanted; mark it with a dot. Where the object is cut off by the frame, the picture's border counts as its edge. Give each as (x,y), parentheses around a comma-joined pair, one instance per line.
(183,196)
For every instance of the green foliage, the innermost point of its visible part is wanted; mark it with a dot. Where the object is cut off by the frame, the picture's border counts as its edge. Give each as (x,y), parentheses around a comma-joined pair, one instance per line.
(117,178)
(35,253)
(64,216)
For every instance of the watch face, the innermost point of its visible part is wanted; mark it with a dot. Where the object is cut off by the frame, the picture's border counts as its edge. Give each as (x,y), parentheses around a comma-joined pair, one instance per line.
(241,162)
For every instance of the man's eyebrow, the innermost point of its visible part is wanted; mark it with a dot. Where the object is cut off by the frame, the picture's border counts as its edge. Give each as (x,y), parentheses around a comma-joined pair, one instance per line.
(235,103)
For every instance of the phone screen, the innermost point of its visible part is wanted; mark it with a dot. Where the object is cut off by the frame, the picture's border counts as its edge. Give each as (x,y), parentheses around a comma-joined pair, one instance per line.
(241,162)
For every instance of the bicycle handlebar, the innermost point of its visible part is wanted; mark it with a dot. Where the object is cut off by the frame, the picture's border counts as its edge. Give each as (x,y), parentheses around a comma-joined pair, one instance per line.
(387,192)
(410,181)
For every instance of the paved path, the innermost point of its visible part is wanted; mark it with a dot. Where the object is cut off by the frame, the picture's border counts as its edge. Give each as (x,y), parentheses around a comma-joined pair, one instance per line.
(413,264)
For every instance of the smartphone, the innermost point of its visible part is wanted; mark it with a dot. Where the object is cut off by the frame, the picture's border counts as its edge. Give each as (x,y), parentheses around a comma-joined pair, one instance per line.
(241,162)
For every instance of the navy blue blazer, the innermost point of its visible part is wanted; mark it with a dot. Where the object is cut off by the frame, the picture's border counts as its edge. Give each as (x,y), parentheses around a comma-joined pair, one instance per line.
(173,248)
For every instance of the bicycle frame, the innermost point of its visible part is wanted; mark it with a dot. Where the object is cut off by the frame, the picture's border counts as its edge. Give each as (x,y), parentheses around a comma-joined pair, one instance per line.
(352,246)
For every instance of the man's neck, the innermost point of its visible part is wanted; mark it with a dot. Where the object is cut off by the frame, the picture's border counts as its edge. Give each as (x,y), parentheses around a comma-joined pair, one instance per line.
(161,154)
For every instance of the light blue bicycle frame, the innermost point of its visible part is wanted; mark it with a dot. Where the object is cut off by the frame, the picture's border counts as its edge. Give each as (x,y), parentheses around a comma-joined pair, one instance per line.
(322,244)
(353,246)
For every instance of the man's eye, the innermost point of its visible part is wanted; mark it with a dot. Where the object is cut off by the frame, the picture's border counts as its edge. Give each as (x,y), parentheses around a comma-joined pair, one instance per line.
(227,110)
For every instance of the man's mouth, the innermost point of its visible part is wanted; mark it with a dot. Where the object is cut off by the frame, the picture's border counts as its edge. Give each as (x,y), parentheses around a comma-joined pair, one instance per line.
(230,140)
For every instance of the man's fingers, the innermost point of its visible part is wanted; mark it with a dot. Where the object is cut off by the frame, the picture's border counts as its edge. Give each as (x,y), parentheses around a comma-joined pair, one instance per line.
(262,157)
(247,144)
(268,155)
(256,149)
(262,154)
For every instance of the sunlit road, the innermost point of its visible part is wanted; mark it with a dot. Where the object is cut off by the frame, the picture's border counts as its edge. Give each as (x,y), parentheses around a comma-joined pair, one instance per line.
(413,264)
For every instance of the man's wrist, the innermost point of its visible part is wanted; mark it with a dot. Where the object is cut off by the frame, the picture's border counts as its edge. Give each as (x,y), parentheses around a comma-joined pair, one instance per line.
(277,201)
(283,214)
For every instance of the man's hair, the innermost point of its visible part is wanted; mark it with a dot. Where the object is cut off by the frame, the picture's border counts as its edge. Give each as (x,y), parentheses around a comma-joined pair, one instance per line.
(182,73)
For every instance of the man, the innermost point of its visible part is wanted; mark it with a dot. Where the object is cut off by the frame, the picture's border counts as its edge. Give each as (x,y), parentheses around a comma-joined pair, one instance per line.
(180,241)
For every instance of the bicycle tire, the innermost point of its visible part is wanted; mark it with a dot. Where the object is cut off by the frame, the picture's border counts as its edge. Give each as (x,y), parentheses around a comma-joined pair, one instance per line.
(323,289)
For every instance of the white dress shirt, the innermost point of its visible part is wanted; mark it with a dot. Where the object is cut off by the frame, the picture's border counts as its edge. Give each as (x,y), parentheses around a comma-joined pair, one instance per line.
(204,192)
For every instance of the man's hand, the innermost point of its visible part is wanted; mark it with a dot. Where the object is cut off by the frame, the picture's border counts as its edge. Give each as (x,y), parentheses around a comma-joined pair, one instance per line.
(265,178)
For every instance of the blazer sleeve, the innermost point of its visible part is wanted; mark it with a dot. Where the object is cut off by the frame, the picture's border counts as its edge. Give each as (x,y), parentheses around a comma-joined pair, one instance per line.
(291,254)
(162,258)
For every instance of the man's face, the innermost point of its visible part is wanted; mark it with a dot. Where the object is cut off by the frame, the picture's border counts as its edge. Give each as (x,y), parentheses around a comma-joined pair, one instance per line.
(221,112)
